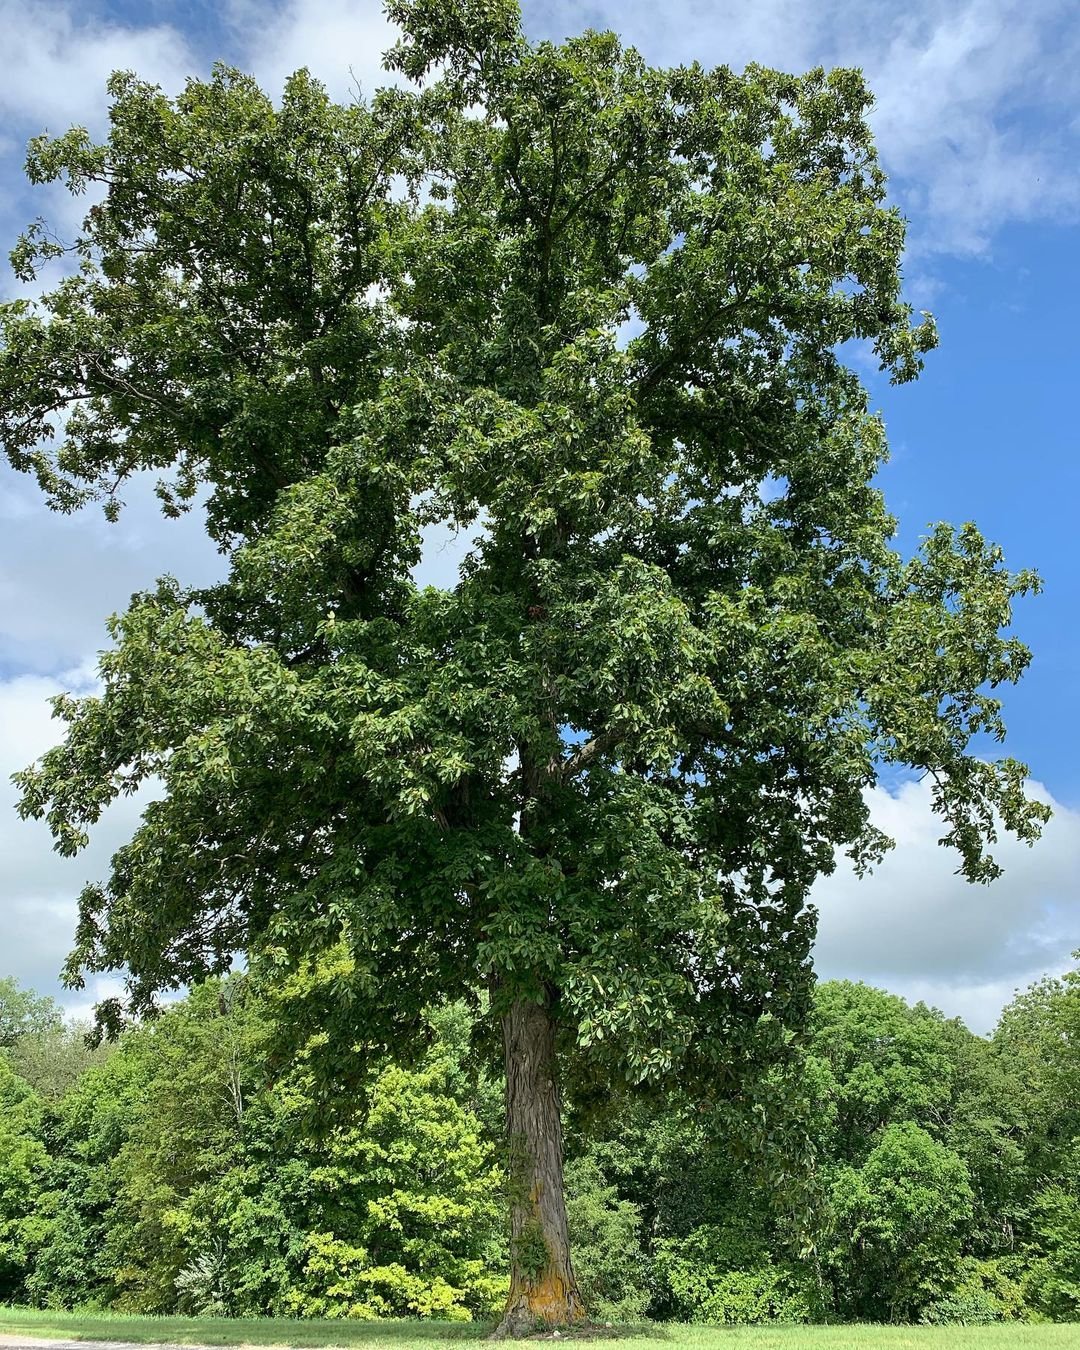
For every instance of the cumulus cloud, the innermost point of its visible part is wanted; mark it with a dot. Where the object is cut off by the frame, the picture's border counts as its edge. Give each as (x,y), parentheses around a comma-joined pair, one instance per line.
(975,101)
(339,41)
(917,928)
(58,56)
(975,110)
(975,114)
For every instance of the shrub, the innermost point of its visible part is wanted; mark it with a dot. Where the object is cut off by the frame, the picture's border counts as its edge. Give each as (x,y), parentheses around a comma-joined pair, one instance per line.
(984,1292)
(202,1286)
(708,1277)
(340,1280)
(611,1268)
(24,1166)
(897,1226)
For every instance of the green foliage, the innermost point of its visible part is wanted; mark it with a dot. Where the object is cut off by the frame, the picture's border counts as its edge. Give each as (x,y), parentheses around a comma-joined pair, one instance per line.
(611,1266)
(189,1171)
(598,307)
(24,1013)
(912,1182)
(1038,1040)
(875,1063)
(53,1058)
(982,1292)
(899,1224)
(340,1280)
(416,1182)
(1052,1281)
(90,1248)
(202,1286)
(23,1178)
(706,1277)
(530,1250)
(987,1125)
(878,1061)
(184,1176)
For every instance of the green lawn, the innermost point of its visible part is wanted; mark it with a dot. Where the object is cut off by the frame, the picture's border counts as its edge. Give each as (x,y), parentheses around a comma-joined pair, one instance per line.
(425,1335)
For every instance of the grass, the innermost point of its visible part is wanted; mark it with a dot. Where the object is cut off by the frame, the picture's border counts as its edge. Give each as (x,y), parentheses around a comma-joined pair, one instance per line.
(390,1335)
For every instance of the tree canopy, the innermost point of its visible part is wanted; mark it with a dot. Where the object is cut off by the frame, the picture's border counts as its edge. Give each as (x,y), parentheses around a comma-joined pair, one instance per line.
(599,312)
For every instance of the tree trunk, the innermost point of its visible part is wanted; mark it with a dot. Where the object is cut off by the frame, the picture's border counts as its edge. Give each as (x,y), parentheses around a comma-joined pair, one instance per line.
(543,1290)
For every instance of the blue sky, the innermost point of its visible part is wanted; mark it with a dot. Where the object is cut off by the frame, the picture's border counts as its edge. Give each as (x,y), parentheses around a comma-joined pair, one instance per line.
(978,123)
(990,434)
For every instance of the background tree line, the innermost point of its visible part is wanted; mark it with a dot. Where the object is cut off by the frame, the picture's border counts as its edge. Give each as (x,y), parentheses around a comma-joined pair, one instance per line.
(904,1169)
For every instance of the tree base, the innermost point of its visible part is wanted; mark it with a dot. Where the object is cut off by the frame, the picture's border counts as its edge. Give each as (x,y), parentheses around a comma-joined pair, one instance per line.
(549,1306)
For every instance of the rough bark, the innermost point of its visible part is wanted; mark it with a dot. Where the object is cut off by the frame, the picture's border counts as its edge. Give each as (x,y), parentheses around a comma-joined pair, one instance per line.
(543,1290)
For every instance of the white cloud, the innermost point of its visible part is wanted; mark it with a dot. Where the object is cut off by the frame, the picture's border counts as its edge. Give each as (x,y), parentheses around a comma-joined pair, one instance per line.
(38,889)
(917,928)
(976,100)
(971,115)
(80,1004)
(56,62)
(340,41)
(57,58)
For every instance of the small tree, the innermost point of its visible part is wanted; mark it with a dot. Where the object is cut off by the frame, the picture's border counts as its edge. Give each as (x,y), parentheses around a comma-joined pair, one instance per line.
(597,309)
(899,1221)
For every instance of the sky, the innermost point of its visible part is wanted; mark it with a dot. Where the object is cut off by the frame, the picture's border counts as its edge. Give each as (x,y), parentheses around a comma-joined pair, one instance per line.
(978,125)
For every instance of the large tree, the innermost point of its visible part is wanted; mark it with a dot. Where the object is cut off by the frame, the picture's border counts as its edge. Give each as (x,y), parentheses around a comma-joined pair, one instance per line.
(598,312)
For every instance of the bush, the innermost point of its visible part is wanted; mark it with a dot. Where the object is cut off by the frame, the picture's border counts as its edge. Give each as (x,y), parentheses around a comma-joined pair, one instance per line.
(708,1277)
(340,1280)
(611,1268)
(984,1292)
(24,1166)
(202,1286)
(897,1226)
